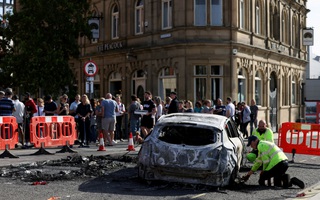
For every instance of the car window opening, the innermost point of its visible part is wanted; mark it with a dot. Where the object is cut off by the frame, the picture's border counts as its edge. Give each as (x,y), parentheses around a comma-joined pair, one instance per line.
(196,136)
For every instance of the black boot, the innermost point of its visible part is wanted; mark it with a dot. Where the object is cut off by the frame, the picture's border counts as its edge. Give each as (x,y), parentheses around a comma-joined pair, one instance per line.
(297,182)
(285,180)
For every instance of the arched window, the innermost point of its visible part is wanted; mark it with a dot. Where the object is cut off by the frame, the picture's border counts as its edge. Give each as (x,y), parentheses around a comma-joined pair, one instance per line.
(285,27)
(138,83)
(242,88)
(295,32)
(115,83)
(258,88)
(115,22)
(276,24)
(139,17)
(294,91)
(168,82)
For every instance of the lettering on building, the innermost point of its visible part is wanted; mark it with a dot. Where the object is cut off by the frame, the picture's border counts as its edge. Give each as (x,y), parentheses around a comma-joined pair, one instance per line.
(110,46)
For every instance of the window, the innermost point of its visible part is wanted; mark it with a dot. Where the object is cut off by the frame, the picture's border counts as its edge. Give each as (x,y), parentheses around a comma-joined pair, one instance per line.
(168,81)
(216,13)
(166,14)
(258,88)
(242,14)
(208,78)
(184,134)
(200,13)
(241,86)
(139,19)
(257,17)
(293,92)
(115,22)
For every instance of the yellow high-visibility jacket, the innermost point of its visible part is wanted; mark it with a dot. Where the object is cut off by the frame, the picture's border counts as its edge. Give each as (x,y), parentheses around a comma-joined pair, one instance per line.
(267,136)
(269,154)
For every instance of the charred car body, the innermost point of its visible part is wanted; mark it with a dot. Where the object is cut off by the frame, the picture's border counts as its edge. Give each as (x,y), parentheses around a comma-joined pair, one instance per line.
(192,148)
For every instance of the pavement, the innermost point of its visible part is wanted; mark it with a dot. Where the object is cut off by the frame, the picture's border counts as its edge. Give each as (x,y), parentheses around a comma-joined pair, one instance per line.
(28,155)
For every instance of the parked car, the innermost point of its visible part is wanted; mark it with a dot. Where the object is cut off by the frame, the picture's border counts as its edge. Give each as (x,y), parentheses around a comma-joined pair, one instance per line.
(193,148)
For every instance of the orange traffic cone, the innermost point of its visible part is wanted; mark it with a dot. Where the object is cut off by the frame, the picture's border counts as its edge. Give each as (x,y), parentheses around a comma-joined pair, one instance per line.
(101,144)
(130,145)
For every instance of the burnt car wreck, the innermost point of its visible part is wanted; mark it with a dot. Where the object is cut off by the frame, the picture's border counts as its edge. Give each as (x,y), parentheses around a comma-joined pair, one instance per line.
(192,148)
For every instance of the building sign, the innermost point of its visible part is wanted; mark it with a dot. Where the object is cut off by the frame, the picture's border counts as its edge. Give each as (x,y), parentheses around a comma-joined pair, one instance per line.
(110,46)
(90,68)
(307,37)
(94,26)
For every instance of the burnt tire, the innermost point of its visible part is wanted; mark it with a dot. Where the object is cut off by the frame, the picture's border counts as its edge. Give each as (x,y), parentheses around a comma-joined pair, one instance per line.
(234,176)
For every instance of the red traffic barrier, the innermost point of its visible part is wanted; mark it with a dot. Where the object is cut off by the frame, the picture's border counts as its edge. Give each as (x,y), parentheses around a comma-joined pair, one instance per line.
(300,138)
(8,135)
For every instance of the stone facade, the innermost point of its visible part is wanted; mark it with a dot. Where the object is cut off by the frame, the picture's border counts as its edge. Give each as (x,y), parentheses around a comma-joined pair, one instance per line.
(203,49)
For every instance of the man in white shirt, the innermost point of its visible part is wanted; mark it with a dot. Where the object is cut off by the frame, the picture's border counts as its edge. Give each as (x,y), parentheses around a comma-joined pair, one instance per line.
(18,114)
(74,105)
(230,108)
(73,108)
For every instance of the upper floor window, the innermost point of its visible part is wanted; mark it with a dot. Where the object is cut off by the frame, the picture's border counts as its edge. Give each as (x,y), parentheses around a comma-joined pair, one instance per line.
(258,14)
(242,14)
(139,17)
(216,18)
(166,14)
(201,17)
(200,12)
(115,22)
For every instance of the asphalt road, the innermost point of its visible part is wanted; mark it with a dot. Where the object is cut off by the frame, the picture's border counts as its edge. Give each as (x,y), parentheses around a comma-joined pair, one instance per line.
(123,182)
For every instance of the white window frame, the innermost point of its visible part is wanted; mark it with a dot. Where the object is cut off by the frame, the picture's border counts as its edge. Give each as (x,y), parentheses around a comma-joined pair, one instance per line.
(242,87)
(258,88)
(115,23)
(139,17)
(208,82)
(166,16)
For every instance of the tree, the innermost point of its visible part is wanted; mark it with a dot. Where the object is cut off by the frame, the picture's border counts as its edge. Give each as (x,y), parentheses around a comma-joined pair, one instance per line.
(44,36)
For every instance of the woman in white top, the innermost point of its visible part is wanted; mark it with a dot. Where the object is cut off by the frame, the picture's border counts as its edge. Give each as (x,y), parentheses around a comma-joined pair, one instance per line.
(159,106)
(40,107)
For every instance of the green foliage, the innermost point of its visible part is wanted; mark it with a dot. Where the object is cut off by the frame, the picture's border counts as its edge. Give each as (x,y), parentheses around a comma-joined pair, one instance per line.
(45,36)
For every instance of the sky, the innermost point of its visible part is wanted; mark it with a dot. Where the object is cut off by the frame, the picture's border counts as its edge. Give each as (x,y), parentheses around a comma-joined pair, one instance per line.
(313,21)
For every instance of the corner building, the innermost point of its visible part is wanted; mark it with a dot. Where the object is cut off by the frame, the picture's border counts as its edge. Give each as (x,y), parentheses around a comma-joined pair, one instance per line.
(203,49)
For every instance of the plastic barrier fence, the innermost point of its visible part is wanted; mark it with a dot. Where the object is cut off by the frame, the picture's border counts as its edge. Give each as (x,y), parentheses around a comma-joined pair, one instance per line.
(8,132)
(299,138)
(52,131)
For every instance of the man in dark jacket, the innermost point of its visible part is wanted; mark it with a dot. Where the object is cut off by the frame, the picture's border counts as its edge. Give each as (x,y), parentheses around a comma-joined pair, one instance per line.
(174,104)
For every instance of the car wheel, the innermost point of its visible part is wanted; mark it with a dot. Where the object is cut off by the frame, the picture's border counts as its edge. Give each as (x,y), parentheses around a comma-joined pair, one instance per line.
(234,176)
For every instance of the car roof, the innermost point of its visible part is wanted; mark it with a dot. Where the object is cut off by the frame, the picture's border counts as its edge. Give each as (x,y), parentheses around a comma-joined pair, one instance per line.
(214,120)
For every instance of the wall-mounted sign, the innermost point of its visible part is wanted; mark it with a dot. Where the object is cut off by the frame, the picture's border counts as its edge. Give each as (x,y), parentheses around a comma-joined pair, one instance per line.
(110,46)
(90,68)
(307,37)
(94,26)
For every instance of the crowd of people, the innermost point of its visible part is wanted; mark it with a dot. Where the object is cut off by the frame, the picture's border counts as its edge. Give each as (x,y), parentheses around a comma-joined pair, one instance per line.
(105,115)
